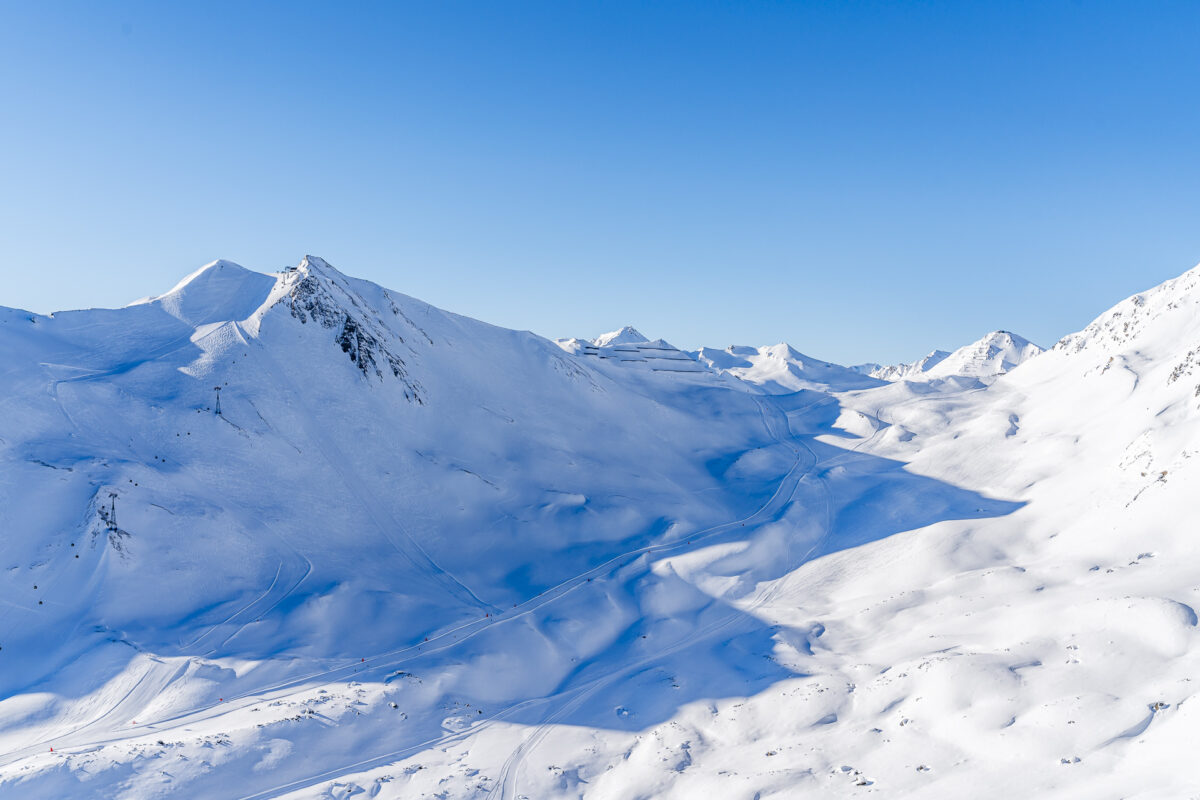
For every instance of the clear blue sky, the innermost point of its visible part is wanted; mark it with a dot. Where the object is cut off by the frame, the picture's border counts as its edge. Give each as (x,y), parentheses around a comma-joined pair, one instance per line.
(867,181)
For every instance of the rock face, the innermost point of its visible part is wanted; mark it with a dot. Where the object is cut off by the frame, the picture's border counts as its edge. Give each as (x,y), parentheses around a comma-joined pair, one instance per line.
(318,292)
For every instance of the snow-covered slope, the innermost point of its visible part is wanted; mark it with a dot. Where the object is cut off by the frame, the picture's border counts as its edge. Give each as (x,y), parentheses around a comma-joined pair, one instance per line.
(993,355)
(418,555)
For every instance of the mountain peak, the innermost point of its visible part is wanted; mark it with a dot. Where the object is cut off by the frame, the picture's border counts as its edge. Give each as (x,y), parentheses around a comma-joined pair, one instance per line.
(213,270)
(626,335)
(992,355)
(1006,337)
(220,290)
(311,262)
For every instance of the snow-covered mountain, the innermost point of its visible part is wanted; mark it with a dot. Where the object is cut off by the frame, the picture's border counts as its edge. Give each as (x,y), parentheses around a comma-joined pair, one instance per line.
(625,335)
(418,555)
(985,359)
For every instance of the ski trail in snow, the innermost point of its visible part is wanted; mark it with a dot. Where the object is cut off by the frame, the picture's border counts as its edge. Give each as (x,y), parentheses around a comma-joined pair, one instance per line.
(201,637)
(388,758)
(308,568)
(301,564)
(150,683)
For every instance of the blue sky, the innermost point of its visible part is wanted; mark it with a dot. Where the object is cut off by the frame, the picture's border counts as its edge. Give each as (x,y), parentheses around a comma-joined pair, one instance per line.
(867,181)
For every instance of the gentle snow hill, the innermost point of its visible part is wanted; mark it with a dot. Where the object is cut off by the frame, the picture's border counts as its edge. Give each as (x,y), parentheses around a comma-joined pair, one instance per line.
(983,360)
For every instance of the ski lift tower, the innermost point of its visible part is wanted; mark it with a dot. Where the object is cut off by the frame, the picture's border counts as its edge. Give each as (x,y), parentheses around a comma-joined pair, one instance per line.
(217,409)
(112,512)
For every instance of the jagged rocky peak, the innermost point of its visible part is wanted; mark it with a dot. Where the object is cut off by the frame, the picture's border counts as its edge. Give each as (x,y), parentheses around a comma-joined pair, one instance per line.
(315,291)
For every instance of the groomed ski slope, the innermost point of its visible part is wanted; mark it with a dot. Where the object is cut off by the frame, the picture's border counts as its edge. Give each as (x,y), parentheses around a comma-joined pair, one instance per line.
(417,555)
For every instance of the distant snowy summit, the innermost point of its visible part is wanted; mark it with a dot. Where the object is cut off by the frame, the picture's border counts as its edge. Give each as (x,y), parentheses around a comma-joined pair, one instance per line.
(628,346)
(780,368)
(993,355)
(626,335)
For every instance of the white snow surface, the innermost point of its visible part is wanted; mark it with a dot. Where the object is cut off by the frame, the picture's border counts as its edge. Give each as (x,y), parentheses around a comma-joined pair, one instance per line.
(417,555)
